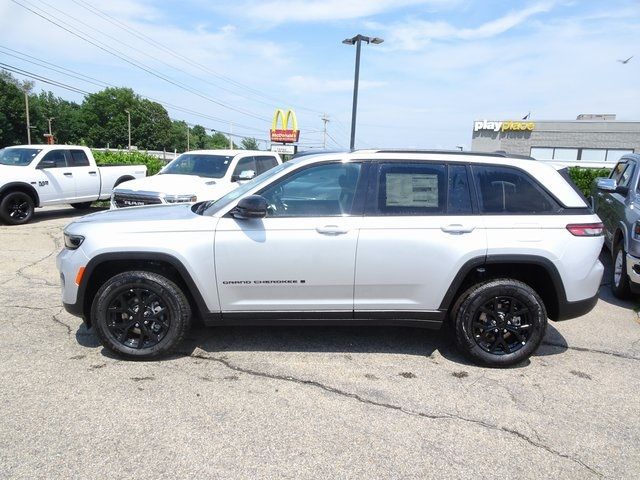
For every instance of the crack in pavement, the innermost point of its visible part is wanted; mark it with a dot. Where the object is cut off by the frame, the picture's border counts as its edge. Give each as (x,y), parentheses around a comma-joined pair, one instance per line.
(591,350)
(20,272)
(60,322)
(361,399)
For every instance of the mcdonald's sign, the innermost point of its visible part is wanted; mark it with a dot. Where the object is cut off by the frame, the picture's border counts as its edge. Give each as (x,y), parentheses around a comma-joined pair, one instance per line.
(284,134)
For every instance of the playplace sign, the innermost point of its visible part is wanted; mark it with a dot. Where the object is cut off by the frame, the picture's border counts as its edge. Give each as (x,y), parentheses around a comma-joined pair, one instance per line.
(504,126)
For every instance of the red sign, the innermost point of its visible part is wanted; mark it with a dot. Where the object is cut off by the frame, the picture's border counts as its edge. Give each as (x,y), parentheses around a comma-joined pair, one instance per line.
(285,134)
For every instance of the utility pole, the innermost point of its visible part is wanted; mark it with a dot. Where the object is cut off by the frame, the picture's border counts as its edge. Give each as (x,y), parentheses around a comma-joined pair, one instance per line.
(231,136)
(26,103)
(325,120)
(129,126)
(50,119)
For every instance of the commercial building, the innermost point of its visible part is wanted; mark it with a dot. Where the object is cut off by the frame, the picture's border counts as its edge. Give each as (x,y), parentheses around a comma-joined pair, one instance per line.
(590,140)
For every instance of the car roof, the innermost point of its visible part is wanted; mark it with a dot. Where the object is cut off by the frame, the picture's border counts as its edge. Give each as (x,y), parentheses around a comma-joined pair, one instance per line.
(229,152)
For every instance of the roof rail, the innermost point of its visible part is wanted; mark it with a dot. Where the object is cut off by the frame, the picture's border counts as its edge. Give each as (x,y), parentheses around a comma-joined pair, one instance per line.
(499,153)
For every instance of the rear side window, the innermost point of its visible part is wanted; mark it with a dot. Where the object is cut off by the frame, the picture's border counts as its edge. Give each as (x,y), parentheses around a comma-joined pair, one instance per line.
(79,159)
(265,163)
(505,190)
(412,189)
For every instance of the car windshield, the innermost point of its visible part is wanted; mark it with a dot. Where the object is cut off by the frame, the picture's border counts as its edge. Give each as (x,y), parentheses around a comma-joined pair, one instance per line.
(211,166)
(18,156)
(210,208)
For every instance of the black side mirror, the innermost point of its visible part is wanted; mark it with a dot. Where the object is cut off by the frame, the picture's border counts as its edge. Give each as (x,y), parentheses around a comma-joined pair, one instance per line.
(622,190)
(47,164)
(253,206)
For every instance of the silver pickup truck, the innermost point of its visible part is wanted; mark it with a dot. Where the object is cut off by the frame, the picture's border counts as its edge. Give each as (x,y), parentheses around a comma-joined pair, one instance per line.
(616,200)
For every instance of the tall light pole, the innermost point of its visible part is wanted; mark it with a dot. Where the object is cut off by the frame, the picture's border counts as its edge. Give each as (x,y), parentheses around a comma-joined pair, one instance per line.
(129,126)
(357,41)
(50,119)
(188,137)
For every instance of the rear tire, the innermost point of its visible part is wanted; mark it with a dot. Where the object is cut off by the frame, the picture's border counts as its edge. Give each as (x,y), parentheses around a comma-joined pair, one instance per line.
(140,315)
(619,277)
(82,205)
(16,208)
(499,323)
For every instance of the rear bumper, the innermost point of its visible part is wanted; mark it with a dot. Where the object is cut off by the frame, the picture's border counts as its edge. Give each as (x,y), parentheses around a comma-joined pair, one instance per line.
(567,310)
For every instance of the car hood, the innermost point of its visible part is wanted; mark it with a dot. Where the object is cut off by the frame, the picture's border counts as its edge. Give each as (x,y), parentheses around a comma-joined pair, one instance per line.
(10,173)
(169,184)
(180,211)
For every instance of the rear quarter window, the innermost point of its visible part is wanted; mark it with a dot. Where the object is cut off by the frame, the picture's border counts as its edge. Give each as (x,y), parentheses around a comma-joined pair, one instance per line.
(507,190)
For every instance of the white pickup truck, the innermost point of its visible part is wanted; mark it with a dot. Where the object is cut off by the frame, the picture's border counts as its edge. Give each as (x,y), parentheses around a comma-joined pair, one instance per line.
(197,175)
(37,175)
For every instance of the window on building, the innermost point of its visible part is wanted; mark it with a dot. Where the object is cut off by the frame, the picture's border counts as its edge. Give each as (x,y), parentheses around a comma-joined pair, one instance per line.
(593,155)
(613,155)
(541,153)
(565,154)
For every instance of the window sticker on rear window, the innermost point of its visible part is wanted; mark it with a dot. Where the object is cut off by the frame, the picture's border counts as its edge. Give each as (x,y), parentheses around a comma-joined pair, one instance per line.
(412,190)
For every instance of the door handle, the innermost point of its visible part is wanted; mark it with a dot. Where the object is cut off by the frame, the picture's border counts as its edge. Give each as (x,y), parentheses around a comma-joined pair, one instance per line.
(92,173)
(457,228)
(331,230)
(68,174)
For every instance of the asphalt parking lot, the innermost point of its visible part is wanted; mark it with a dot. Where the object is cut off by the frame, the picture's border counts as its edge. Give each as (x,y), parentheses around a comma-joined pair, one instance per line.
(303,402)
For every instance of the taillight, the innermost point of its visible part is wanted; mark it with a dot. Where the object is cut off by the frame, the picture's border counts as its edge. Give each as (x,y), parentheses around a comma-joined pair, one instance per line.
(586,229)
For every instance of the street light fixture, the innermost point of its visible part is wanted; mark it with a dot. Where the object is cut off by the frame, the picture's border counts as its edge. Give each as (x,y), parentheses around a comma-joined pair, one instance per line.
(129,126)
(357,41)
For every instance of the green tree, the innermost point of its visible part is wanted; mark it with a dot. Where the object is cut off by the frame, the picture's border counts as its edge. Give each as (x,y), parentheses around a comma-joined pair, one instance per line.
(178,136)
(12,112)
(249,144)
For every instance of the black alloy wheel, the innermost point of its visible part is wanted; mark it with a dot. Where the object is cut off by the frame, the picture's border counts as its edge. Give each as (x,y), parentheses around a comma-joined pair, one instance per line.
(502,325)
(140,314)
(500,322)
(16,208)
(137,317)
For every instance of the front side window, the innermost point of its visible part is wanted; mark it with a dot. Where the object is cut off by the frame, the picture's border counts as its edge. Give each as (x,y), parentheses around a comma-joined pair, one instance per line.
(318,191)
(625,178)
(56,156)
(618,171)
(505,190)
(211,166)
(19,157)
(411,189)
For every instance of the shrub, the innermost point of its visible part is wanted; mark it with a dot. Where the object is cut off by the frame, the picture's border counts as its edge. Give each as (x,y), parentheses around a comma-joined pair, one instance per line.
(130,158)
(584,177)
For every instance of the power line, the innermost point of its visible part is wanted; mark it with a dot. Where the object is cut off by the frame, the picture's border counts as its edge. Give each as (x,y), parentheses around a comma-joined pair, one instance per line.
(83,92)
(100,83)
(151,41)
(138,65)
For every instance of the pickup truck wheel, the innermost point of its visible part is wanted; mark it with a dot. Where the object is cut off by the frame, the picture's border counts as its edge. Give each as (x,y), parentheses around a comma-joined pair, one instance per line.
(500,322)
(619,278)
(81,206)
(140,315)
(16,208)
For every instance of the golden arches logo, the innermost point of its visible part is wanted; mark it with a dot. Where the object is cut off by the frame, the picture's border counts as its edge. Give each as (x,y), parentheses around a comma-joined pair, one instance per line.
(284,134)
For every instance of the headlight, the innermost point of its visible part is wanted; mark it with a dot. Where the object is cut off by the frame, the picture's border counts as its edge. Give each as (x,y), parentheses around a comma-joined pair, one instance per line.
(180,198)
(72,242)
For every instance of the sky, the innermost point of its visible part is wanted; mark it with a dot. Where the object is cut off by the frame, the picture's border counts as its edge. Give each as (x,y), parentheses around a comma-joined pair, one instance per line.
(443,64)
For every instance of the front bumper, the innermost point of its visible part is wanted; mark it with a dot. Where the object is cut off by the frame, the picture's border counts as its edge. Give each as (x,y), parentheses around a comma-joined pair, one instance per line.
(633,272)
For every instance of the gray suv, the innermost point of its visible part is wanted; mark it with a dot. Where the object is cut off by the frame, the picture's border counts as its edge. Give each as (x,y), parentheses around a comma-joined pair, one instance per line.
(616,200)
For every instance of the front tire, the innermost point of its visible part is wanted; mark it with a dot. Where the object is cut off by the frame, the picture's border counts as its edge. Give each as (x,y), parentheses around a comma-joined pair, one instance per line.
(499,323)
(619,277)
(140,315)
(16,208)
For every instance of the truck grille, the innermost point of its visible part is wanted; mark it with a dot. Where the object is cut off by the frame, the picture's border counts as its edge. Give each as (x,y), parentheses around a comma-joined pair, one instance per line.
(134,199)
